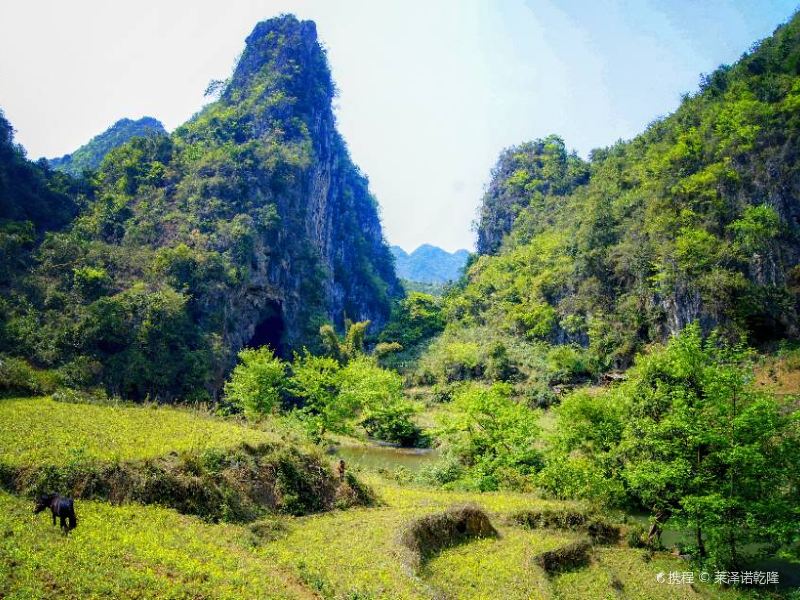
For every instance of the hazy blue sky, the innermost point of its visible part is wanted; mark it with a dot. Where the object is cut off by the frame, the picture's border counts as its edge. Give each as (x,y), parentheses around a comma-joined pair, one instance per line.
(430,91)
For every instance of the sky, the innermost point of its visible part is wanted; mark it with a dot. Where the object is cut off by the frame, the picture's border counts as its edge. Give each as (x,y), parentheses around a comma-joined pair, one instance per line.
(430,91)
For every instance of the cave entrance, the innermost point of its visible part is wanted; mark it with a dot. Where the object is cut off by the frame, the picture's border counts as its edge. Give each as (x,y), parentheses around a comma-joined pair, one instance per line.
(269,331)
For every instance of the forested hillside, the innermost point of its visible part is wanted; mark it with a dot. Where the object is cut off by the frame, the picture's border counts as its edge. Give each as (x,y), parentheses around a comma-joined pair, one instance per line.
(694,220)
(605,404)
(247,226)
(90,155)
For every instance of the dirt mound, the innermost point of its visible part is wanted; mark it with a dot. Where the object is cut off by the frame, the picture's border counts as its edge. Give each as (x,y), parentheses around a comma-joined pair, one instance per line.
(567,558)
(425,536)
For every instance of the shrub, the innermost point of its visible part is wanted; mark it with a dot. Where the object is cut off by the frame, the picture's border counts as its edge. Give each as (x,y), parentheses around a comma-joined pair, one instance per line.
(635,536)
(578,477)
(443,472)
(493,436)
(392,423)
(238,484)
(316,381)
(257,382)
(19,378)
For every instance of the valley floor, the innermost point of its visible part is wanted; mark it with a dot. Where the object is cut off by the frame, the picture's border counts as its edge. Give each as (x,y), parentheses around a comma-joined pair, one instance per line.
(136,551)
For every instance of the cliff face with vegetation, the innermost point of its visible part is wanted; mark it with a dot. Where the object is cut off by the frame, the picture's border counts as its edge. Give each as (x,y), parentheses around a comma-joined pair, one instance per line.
(249,225)
(526,178)
(696,219)
(90,155)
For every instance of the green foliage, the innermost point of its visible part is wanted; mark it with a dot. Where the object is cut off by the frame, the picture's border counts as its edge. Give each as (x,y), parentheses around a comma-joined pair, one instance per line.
(335,398)
(257,382)
(182,239)
(89,156)
(689,221)
(378,393)
(733,439)
(30,191)
(534,174)
(348,348)
(493,436)
(316,380)
(18,378)
(687,437)
(415,318)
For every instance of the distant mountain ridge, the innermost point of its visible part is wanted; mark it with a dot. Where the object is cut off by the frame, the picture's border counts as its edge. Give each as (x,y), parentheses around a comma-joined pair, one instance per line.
(91,154)
(429,264)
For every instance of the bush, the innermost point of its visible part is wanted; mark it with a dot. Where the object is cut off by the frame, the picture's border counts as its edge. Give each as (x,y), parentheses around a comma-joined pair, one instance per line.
(636,536)
(238,484)
(493,436)
(445,471)
(578,477)
(316,381)
(392,423)
(257,383)
(18,378)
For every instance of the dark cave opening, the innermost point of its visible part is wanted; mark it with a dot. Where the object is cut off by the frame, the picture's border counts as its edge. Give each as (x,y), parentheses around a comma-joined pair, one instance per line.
(269,331)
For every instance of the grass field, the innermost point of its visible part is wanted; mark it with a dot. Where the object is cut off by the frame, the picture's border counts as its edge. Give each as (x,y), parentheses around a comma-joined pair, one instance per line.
(132,551)
(39,431)
(135,551)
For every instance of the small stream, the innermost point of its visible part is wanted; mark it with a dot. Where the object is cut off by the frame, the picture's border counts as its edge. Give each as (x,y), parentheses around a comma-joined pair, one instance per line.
(374,457)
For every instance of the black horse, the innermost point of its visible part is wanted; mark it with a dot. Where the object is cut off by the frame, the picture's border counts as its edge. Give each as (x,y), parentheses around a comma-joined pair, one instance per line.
(63,508)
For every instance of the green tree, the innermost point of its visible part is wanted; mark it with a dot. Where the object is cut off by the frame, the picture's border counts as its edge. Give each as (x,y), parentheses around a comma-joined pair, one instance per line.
(257,383)
(702,448)
(316,381)
(493,436)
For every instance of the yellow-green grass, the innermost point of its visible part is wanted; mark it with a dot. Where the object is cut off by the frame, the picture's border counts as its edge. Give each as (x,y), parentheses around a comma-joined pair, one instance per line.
(132,551)
(495,568)
(40,431)
(635,577)
(354,553)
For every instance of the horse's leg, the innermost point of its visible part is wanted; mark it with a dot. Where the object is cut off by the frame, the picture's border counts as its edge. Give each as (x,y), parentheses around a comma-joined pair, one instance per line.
(54,517)
(63,523)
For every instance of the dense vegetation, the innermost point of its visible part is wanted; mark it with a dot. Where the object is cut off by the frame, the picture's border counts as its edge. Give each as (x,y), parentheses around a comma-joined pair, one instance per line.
(674,252)
(528,178)
(247,226)
(90,156)
(622,351)
(695,220)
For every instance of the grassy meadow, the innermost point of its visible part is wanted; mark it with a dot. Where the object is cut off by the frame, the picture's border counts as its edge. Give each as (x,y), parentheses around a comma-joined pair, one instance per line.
(37,431)
(136,551)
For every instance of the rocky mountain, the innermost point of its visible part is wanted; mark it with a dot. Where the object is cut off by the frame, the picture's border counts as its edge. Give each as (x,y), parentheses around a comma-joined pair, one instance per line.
(429,264)
(249,225)
(90,155)
(697,219)
(526,178)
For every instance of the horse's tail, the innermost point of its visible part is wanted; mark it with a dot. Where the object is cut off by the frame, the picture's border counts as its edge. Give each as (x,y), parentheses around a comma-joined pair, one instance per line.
(72,520)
